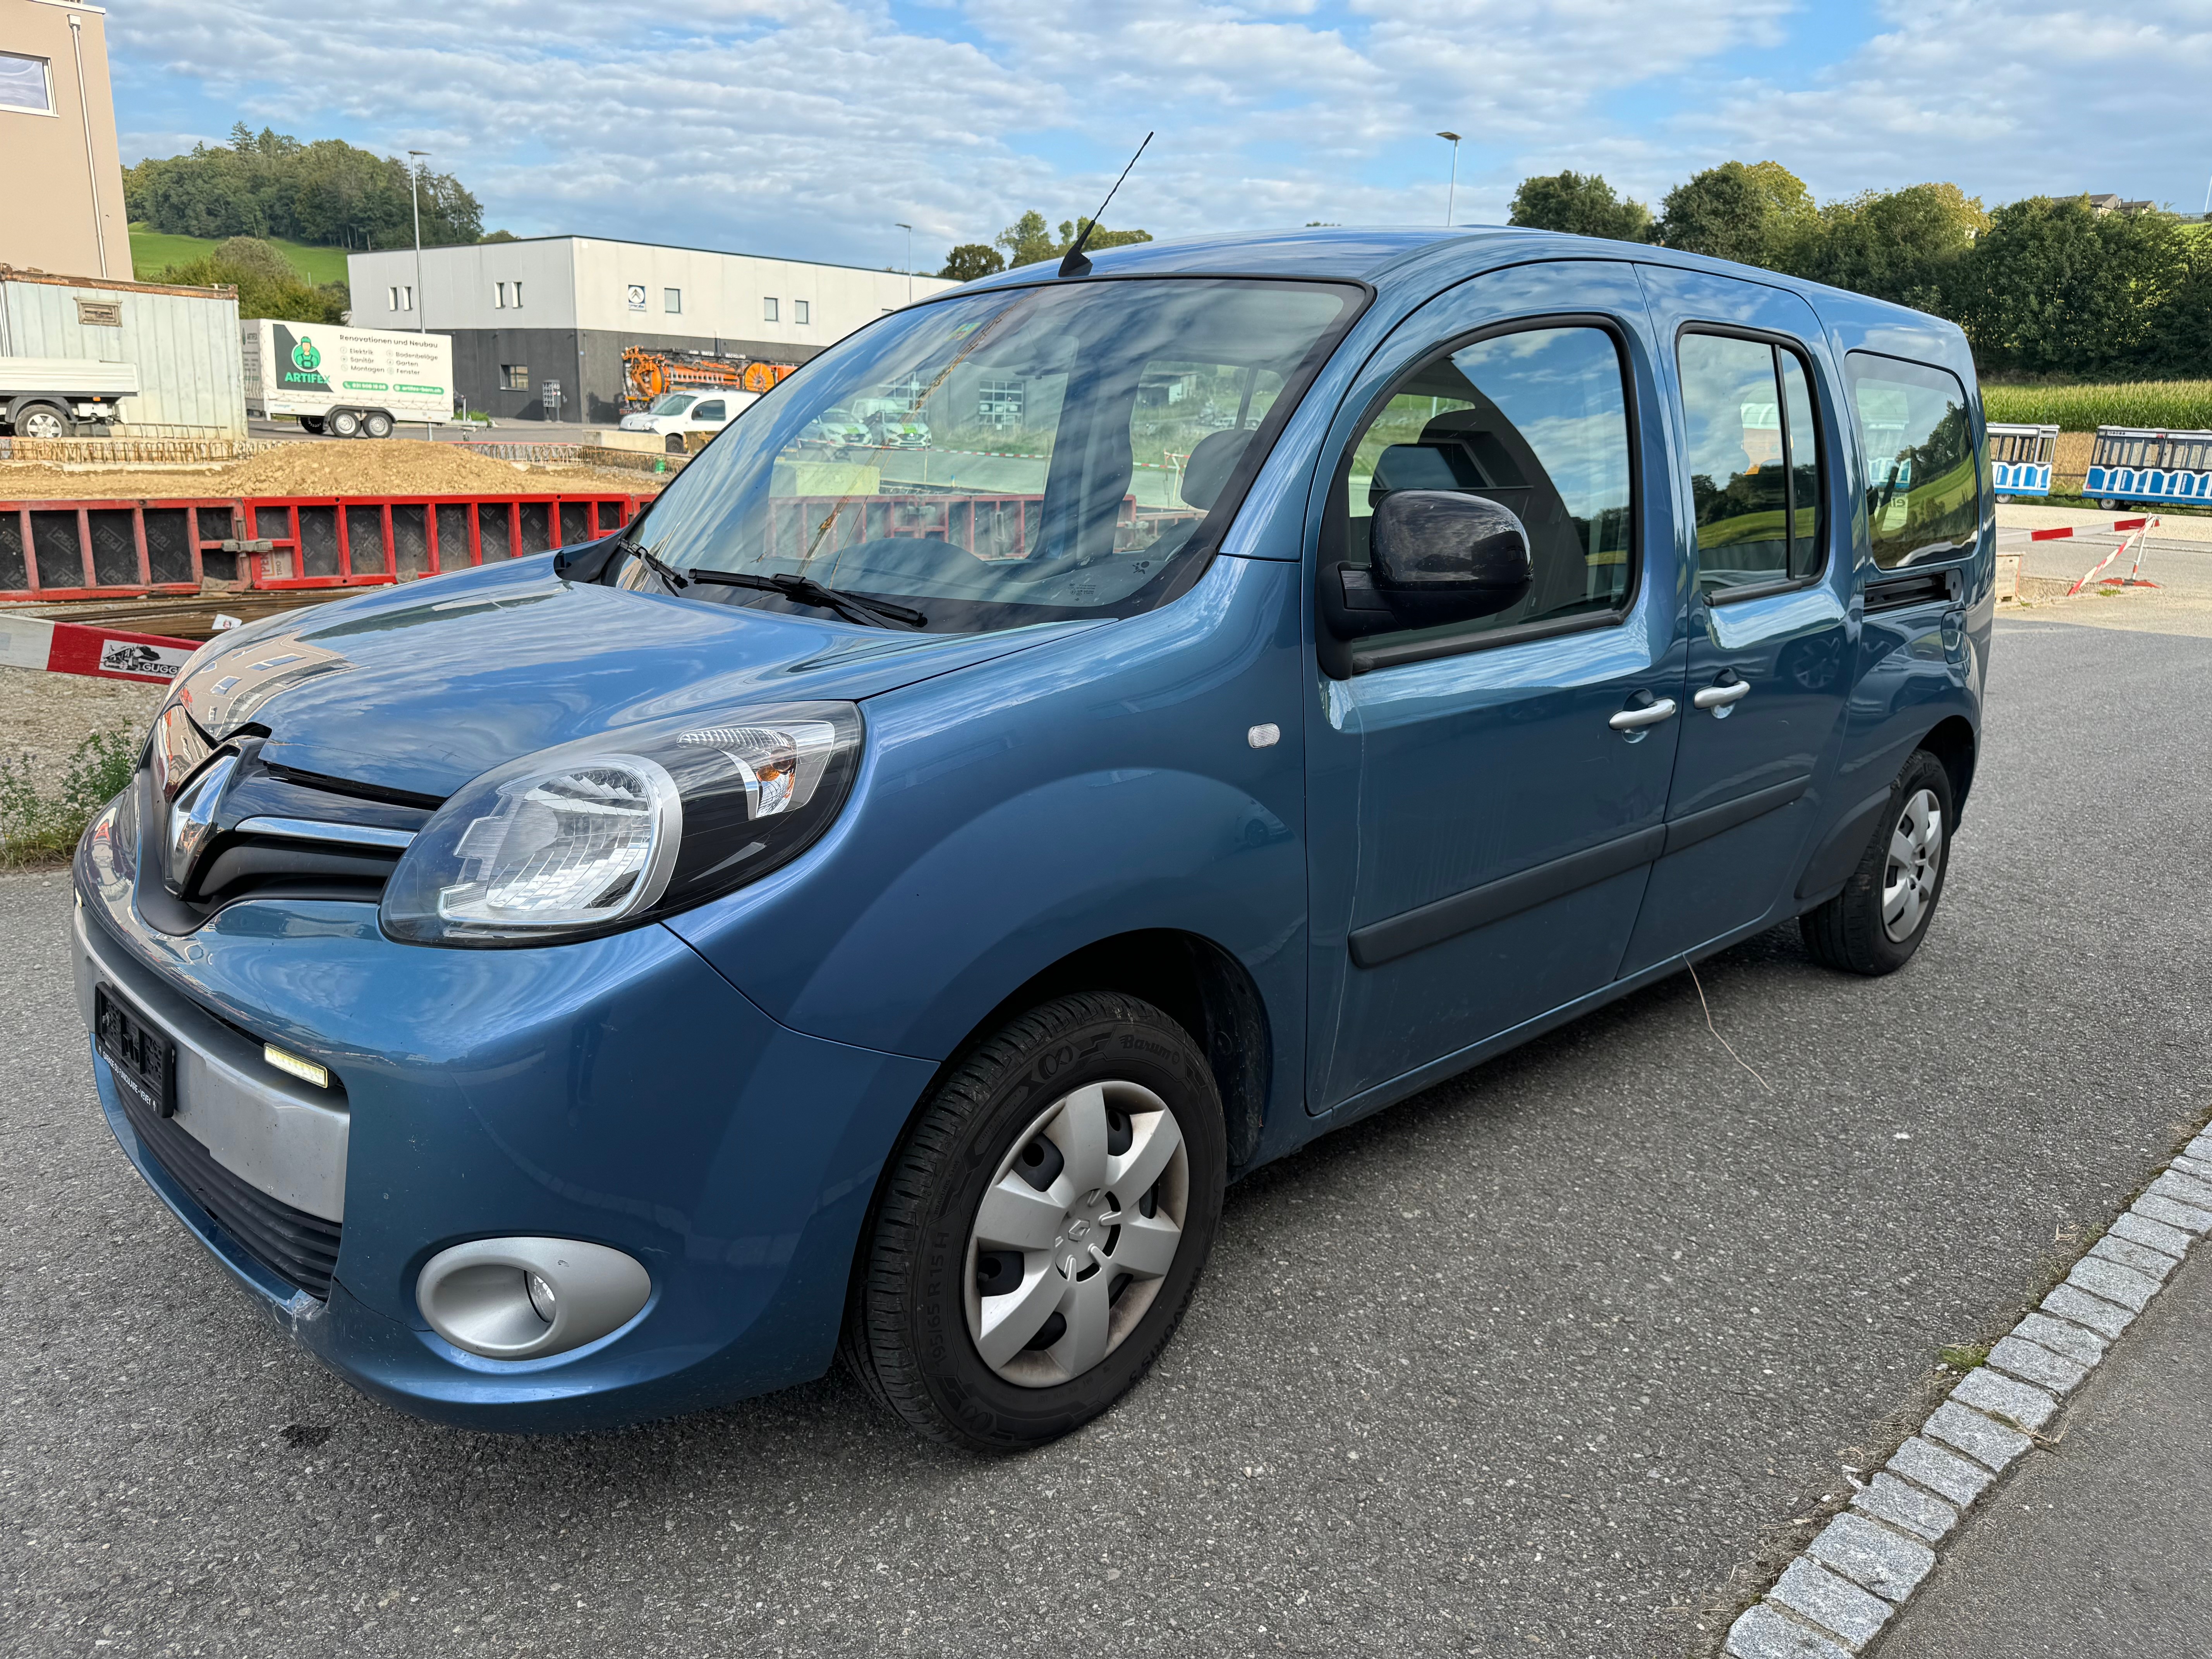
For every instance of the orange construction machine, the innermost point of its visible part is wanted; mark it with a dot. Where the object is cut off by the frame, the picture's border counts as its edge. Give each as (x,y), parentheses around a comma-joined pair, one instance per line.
(647,375)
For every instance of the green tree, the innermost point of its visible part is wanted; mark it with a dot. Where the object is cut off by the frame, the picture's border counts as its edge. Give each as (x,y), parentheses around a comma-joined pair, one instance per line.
(1758,214)
(1903,245)
(1102,237)
(1580,203)
(1029,239)
(267,284)
(2057,288)
(970,260)
(268,184)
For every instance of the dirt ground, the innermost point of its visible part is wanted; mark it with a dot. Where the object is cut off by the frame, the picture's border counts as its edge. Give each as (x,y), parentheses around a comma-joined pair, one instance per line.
(44,716)
(395,466)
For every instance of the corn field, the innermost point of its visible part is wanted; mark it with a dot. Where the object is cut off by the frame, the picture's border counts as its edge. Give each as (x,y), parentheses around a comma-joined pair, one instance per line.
(2166,406)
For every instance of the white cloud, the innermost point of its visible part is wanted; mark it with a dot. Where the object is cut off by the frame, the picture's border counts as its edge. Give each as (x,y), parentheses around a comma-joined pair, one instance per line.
(808,126)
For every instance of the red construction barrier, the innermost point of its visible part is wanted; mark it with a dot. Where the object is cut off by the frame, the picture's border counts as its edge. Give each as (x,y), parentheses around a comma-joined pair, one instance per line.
(71,550)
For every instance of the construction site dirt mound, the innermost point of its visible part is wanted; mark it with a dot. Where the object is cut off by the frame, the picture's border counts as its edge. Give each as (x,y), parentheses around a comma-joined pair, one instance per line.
(393,466)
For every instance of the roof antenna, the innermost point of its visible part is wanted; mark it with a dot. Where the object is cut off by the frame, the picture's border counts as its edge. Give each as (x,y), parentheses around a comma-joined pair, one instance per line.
(1075,264)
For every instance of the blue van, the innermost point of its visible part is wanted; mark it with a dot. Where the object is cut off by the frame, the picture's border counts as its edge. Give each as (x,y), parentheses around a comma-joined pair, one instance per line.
(872,903)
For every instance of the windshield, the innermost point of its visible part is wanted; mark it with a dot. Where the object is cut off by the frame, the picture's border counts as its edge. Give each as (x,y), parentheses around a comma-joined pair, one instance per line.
(1005,458)
(673,402)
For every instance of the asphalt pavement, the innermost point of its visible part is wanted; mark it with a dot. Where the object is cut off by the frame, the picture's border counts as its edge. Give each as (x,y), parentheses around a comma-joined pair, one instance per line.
(2098,1547)
(1543,1361)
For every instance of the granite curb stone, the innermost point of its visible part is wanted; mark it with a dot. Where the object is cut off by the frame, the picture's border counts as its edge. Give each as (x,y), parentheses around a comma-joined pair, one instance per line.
(1981,1438)
(2100,1276)
(1809,1590)
(1764,1633)
(1872,1557)
(2154,1264)
(2084,1347)
(2142,1229)
(2072,1301)
(1945,1473)
(1888,1498)
(2006,1397)
(2186,1216)
(2031,1362)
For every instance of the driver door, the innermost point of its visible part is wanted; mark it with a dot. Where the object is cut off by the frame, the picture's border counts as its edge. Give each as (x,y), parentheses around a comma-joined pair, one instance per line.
(1485,798)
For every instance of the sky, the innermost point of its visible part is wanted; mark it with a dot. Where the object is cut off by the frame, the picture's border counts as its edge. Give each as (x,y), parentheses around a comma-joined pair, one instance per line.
(811,128)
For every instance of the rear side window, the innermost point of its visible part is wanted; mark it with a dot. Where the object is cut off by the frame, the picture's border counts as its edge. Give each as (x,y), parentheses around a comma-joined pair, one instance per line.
(1536,420)
(1755,455)
(1922,490)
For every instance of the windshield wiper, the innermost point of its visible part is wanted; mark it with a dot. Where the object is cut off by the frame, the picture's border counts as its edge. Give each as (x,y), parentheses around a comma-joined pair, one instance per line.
(668,573)
(805,590)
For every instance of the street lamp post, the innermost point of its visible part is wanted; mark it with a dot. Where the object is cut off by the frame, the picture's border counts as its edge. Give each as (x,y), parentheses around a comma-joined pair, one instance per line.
(1451,188)
(908,229)
(415,189)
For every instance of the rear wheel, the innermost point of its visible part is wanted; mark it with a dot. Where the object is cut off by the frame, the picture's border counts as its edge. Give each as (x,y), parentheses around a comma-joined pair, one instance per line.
(1876,924)
(376,424)
(1042,1230)
(312,423)
(42,420)
(343,424)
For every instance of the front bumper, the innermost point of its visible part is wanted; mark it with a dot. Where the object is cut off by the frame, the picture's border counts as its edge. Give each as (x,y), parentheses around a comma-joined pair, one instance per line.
(617,1091)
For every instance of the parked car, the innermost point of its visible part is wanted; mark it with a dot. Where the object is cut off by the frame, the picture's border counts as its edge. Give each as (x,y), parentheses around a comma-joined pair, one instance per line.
(619,980)
(690,411)
(835,429)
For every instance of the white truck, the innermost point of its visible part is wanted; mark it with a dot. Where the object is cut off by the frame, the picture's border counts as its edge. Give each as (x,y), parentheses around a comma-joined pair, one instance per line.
(350,382)
(53,396)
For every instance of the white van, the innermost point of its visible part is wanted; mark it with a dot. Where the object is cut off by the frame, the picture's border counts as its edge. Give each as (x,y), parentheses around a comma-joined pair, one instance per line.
(690,411)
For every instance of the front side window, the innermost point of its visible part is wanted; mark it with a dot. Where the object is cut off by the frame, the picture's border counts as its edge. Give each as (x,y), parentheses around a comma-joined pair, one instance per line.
(24,84)
(673,402)
(1754,460)
(1026,455)
(1536,420)
(710,411)
(1923,497)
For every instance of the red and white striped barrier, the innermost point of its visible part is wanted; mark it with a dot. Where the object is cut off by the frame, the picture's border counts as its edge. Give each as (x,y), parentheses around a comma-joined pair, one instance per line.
(2137,533)
(111,654)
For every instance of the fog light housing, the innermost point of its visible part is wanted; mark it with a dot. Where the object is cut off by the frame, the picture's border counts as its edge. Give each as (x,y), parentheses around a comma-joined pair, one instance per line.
(524,1298)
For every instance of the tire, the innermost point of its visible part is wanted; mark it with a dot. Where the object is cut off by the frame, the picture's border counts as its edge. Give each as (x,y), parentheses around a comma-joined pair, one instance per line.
(376,424)
(343,424)
(1876,924)
(42,420)
(1089,1087)
(313,423)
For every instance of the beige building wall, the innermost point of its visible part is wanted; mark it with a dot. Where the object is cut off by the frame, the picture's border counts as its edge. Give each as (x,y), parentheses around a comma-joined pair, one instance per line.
(61,178)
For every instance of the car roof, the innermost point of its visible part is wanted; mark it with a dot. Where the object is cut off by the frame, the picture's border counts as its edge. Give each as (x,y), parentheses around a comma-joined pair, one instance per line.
(1425,258)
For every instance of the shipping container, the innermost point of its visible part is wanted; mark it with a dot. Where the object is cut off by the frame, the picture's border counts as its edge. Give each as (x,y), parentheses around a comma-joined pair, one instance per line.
(183,342)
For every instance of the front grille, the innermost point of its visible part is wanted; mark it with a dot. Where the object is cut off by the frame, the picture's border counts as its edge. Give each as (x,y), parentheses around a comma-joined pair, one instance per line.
(297,1247)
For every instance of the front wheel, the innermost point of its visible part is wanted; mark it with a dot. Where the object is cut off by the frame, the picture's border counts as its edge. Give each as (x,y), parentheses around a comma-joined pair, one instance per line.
(1876,924)
(1042,1230)
(42,420)
(312,423)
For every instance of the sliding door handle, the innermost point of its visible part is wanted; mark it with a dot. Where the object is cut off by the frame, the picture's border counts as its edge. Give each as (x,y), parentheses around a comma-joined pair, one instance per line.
(1635,720)
(1720,696)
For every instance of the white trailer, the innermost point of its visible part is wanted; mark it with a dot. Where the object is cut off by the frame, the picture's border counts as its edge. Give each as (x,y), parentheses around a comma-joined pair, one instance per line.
(351,382)
(52,397)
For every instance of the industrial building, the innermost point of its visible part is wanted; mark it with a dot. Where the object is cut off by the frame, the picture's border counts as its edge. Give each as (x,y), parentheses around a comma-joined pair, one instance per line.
(539,325)
(65,209)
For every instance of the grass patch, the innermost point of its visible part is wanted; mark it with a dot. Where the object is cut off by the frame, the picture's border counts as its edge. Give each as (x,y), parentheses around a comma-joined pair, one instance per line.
(2164,405)
(153,252)
(37,828)
(1963,1359)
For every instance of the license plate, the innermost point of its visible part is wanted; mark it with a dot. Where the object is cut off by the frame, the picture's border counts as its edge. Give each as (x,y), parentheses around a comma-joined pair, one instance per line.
(143,1060)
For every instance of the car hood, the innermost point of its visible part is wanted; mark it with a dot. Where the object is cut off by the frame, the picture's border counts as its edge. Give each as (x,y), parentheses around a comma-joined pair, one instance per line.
(420,687)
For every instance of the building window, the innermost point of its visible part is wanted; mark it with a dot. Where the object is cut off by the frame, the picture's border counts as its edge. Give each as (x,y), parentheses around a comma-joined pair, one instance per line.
(510,293)
(392,302)
(767,311)
(800,310)
(518,293)
(514,377)
(671,300)
(406,299)
(25,84)
(998,403)
(499,304)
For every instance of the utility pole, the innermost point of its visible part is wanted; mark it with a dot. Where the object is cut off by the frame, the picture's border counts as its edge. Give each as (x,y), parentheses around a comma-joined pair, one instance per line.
(415,189)
(1451,188)
(908,229)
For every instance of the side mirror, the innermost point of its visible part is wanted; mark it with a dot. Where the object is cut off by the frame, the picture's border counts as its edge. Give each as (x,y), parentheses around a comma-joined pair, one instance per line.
(1439,557)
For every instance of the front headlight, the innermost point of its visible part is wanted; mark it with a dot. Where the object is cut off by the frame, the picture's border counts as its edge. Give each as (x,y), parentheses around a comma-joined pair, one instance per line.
(613,830)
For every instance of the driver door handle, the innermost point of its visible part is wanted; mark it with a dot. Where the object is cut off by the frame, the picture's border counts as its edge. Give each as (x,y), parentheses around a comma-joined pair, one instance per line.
(1720,696)
(1631,719)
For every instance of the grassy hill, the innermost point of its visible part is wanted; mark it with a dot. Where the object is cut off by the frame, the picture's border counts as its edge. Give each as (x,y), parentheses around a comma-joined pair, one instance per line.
(153,252)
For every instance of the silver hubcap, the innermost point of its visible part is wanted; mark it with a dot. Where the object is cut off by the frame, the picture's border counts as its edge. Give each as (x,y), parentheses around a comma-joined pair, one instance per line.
(1916,859)
(42,424)
(1076,1231)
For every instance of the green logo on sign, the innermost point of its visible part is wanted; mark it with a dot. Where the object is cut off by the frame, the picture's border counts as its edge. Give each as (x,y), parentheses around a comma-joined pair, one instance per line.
(304,354)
